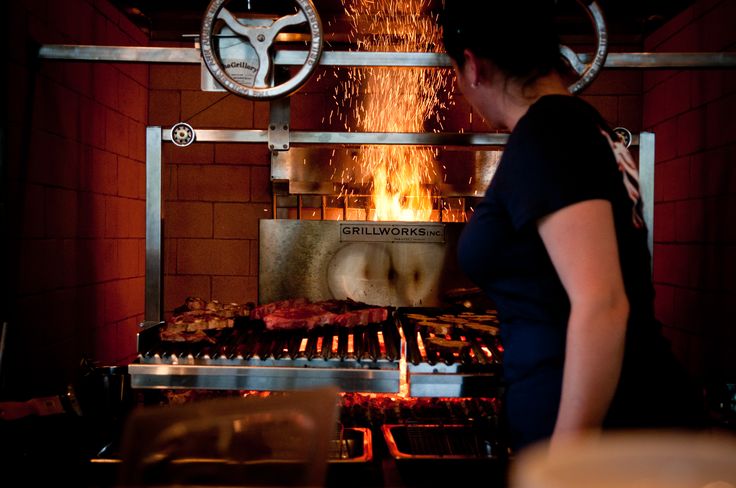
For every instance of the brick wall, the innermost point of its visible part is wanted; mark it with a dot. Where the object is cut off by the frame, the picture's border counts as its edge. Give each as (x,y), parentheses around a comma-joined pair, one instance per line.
(692,114)
(75,193)
(213,194)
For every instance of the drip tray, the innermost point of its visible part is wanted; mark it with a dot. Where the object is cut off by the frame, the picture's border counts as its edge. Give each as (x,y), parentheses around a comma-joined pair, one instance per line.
(433,442)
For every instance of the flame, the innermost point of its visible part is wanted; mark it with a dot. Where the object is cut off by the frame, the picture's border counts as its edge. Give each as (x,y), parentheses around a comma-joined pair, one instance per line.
(395,100)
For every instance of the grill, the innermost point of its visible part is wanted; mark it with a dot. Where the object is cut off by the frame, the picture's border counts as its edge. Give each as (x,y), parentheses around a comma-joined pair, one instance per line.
(250,357)
(362,358)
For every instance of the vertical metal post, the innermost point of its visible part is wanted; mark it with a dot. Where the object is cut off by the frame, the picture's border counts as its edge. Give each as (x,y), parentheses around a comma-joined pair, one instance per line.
(646,184)
(154,234)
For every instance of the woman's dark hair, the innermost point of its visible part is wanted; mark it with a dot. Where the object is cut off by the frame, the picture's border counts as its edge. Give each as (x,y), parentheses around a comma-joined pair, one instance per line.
(517,36)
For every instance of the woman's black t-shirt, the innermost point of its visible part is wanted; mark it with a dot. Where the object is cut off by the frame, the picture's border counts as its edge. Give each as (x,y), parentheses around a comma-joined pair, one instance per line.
(556,156)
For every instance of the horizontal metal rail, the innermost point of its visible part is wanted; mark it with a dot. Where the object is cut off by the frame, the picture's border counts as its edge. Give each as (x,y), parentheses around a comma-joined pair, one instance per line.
(683,60)
(353,138)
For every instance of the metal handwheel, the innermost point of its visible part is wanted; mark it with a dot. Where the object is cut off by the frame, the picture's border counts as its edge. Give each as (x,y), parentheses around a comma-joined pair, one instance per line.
(588,72)
(261,38)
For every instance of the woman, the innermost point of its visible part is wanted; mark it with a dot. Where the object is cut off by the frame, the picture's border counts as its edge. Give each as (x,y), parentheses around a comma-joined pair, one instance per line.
(558,241)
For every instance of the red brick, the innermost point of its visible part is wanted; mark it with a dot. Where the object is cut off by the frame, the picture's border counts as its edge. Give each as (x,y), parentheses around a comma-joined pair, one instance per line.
(729,269)
(188,219)
(669,29)
(169,258)
(629,112)
(91,306)
(686,40)
(133,99)
(690,220)
(126,339)
(105,340)
(652,78)
(715,28)
(709,85)
(246,153)
(130,174)
(665,140)
(73,18)
(677,94)
(56,109)
(141,257)
(260,115)
(127,254)
(78,77)
(70,274)
(61,212)
(688,309)
(235,289)
(197,153)
(114,217)
(254,258)
(34,213)
(136,289)
(671,181)
(616,83)
(260,185)
(95,258)
(164,107)
(134,222)
(105,79)
(698,267)
(169,186)
(137,142)
(213,257)
(240,221)
(178,287)
(729,217)
(17,94)
(63,310)
(654,102)
(664,222)
(124,298)
(214,183)
(711,173)
(670,265)
(720,123)
(40,267)
(210,110)
(690,132)
(308,111)
(176,77)
(715,223)
(99,172)
(59,167)
(714,262)
(138,72)
(117,136)
(93,123)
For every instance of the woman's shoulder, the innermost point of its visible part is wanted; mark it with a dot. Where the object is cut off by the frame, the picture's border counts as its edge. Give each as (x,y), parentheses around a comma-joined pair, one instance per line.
(562,110)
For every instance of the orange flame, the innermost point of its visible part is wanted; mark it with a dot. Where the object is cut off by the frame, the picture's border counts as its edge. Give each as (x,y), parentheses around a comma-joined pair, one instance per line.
(395,100)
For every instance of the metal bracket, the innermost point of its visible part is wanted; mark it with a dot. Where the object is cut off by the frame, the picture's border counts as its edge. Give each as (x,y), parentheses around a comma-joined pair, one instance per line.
(278,125)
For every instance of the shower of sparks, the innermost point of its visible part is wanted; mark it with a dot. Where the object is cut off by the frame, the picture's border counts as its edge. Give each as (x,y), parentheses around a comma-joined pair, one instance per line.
(377,99)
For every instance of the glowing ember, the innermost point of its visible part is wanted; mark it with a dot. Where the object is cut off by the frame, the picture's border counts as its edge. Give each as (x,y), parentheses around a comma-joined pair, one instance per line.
(394,100)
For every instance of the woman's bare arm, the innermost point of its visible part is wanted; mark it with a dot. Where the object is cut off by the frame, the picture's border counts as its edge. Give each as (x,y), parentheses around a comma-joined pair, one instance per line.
(581,243)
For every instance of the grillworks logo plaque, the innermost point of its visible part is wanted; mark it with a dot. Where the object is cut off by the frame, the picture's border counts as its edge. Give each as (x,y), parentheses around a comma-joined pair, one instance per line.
(391,232)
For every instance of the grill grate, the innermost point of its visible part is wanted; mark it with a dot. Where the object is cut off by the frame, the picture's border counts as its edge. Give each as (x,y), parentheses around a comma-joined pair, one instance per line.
(250,340)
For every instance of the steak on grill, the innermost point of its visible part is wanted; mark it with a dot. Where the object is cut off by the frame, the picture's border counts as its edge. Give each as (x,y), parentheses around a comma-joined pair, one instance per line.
(298,313)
